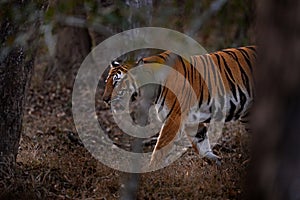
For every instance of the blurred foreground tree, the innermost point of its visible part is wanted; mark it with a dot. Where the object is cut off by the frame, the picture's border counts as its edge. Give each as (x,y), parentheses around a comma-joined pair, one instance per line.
(275,172)
(18,28)
(139,15)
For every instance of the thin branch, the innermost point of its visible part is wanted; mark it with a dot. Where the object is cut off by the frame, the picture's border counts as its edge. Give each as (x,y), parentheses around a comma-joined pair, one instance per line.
(83,23)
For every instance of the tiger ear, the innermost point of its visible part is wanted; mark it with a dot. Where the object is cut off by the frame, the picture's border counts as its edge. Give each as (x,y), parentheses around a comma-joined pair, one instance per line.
(114,64)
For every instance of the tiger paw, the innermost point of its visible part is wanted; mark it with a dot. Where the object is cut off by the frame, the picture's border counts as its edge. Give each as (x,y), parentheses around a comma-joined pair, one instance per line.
(213,157)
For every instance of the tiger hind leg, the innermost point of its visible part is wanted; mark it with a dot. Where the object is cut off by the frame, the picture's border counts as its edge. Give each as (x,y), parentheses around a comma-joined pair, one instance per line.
(201,144)
(244,120)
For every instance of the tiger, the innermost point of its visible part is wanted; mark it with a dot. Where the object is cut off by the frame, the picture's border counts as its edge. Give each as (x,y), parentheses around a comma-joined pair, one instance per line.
(229,85)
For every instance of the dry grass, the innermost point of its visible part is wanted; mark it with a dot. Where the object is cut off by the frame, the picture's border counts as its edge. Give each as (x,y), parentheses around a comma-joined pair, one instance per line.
(53,164)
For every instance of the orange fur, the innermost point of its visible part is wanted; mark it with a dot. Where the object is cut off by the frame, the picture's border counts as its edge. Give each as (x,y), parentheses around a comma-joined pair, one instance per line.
(231,76)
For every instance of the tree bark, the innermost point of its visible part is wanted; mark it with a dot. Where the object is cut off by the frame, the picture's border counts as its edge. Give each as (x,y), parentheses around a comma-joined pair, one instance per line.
(16,61)
(72,46)
(13,80)
(275,171)
(140,14)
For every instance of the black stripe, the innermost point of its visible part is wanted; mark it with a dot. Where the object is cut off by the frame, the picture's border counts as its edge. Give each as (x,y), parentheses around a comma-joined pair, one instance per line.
(244,75)
(203,65)
(145,61)
(162,57)
(244,52)
(218,80)
(183,65)
(163,96)
(252,48)
(218,59)
(207,73)
(172,108)
(242,102)
(201,95)
(185,73)
(229,77)
(201,81)
(246,81)
(220,68)
(213,68)
(231,112)
(247,58)
(229,52)
(245,78)
(192,70)
(208,99)
(158,94)
(197,75)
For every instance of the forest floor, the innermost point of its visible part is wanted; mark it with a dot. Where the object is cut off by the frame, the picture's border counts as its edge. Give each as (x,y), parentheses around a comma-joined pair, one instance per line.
(53,164)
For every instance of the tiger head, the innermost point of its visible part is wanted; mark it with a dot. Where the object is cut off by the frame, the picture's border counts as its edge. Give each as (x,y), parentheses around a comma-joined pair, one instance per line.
(117,76)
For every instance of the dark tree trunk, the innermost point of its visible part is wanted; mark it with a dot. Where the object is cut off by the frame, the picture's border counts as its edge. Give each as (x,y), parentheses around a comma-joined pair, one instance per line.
(275,172)
(15,73)
(140,14)
(72,46)
(16,61)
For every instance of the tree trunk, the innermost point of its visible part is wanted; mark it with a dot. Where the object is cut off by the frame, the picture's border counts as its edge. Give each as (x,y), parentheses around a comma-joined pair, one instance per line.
(13,79)
(140,14)
(275,172)
(16,61)
(72,46)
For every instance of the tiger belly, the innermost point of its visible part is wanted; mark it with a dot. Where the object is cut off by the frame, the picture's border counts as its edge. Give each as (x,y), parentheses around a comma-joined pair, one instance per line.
(196,115)
(188,134)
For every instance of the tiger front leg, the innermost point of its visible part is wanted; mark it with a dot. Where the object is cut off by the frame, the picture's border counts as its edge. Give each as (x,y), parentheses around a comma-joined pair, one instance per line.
(165,149)
(202,145)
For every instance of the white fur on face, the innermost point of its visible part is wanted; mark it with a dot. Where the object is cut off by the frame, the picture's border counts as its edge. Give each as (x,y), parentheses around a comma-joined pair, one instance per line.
(117,77)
